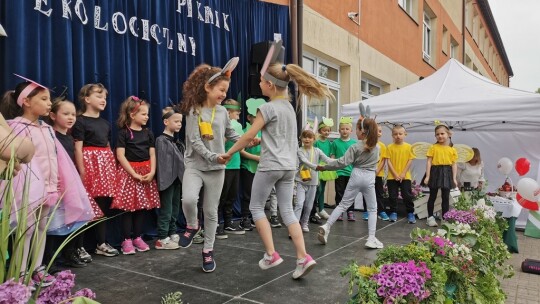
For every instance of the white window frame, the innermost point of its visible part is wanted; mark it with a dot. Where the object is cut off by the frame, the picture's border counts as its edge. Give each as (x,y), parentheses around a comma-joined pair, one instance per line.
(406,5)
(427,37)
(364,90)
(331,85)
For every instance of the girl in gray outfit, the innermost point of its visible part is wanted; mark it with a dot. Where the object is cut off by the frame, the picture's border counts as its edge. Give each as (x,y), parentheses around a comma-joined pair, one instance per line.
(364,156)
(278,160)
(207,127)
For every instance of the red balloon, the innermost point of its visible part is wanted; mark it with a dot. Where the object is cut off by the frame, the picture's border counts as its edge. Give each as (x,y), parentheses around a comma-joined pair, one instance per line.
(523,166)
(525,203)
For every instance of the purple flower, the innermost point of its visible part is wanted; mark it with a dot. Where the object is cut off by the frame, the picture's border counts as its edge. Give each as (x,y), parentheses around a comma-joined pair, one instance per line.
(399,280)
(60,290)
(85,292)
(12,292)
(461,216)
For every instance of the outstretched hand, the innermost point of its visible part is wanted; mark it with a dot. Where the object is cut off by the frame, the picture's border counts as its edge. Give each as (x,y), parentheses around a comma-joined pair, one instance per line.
(254,142)
(319,168)
(223,158)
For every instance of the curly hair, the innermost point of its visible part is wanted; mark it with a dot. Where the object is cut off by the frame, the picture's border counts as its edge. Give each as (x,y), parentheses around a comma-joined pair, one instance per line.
(194,89)
(9,107)
(370,129)
(307,84)
(86,91)
(131,105)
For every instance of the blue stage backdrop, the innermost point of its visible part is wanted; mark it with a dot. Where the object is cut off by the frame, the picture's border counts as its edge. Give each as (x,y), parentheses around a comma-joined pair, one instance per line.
(134,47)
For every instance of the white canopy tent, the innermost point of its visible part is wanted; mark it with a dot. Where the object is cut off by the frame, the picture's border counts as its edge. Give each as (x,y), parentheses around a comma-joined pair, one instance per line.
(500,121)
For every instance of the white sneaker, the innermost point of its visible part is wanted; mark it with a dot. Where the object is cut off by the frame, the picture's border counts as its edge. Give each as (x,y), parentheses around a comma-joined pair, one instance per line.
(305,227)
(374,243)
(431,222)
(166,243)
(323,214)
(175,238)
(324,230)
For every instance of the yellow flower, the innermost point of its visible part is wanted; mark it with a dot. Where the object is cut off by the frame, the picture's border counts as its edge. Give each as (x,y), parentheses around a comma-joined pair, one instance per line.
(367,271)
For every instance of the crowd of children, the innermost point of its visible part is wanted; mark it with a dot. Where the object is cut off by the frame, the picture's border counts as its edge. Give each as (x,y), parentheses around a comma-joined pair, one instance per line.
(219,163)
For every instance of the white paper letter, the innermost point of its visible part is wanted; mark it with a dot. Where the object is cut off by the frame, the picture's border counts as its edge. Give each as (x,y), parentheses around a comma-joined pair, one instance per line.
(145,29)
(115,23)
(153,32)
(97,18)
(181,42)
(38,8)
(78,6)
(66,10)
(225,25)
(166,36)
(132,29)
(193,45)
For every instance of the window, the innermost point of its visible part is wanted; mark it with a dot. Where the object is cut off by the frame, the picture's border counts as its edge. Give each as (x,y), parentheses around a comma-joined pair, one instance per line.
(454,51)
(328,74)
(409,6)
(444,40)
(370,88)
(427,39)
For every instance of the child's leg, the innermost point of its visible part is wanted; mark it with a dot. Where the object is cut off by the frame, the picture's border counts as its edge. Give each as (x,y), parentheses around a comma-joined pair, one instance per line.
(340,185)
(320,195)
(301,191)
(393,188)
(273,202)
(176,198)
(351,191)
(263,182)
(213,183)
(379,193)
(104,204)
(191,186)
(406,194)
(127,225)
(42,224)
(165,211)
(431,200)
(139,218)
(367,182)
(247,182)
(310,197)
(445,197)
(232,194)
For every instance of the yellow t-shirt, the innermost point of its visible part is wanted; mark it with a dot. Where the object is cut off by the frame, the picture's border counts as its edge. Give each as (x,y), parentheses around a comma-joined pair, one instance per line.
(442,155)
(399,156)
(382,155)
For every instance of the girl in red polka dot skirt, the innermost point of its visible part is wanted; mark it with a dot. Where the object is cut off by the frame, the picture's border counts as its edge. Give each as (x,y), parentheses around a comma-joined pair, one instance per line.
(136,188)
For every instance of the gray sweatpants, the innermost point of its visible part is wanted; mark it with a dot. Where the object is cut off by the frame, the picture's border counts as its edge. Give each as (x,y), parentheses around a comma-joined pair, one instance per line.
(305,196)
(262,186)
(212,181)
(361,181)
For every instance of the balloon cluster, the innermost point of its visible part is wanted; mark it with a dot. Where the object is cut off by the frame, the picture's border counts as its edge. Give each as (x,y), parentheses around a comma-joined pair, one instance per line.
(528,190)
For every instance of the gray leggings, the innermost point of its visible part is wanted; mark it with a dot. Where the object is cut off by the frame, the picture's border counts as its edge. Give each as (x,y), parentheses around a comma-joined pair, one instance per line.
(305,196)
(262,186)
(212,182)
(361,181)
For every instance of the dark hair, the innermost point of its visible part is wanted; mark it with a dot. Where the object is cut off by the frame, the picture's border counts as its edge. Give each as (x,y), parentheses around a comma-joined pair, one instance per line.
(476,158)
(86,91)
(55,107)
(370,129)
(194,92)
(131,105)
(307,134)
(447,131)
(9,107)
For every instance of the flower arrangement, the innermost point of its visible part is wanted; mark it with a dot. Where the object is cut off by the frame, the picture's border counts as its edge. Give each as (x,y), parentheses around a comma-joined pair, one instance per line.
(460,263)
(416,191)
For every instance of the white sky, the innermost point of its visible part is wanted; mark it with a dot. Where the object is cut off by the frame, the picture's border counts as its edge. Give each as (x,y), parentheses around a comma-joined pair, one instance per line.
(519,25)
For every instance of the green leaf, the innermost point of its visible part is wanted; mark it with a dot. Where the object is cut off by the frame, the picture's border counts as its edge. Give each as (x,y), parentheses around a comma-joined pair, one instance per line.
(83,300)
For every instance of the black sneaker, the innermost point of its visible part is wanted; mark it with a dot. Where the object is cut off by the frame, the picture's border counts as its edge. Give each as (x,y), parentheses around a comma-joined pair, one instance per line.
(208,264)
(72,260)
(231,229)
(186,238)
(83,255)
(315,220)
(274,222)
(246,224)
(220,233)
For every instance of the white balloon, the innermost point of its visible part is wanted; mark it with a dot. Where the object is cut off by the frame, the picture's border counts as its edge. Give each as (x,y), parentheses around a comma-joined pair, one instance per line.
(528,188)
(505,166)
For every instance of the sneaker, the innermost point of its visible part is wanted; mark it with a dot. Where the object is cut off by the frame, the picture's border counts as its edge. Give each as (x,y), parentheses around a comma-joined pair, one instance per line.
(274,222)
(186,239)
(127,247)
(374,243)
(383,216)
(323,214)
(315,220)
(365,216)
(199,237)
(411,218)
(431,222)
(140,245)
(72,259)
(208,264)
(106,250)
(324,230)
(175,238)
(84,256)
(305,227)
(351,217)
(41,277)
(303,267)
(220,233)
(166,243)
(246,224)
(269,261)
(340,218)
(393,217)
(231,229)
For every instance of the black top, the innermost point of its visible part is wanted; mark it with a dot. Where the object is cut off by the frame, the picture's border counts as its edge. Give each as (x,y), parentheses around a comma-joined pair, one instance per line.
(68,143)
(136,143)
(92,131)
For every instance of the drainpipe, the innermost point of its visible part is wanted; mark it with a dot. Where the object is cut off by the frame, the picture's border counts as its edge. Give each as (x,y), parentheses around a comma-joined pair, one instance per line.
(463,33)
(293,9)
(300,29)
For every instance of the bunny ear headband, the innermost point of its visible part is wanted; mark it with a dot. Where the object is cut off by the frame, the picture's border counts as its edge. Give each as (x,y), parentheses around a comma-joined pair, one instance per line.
(227,69)
(365,112)
(29,88)
(271,58)
(310,127)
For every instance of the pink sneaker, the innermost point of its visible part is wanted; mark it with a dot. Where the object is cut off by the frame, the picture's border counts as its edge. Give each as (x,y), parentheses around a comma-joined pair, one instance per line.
(269,261)
(41,277)
(140,245)
(127,247)
(303,267)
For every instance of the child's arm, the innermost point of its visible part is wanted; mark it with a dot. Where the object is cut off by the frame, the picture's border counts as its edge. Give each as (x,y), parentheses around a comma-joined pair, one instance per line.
(381,166)
(248,155)
(323,156)
(428,169)
(121,156)
(193,135)
(392,170)
(405,170)
(454,173)
(342,162)
(150,176)
(79,160)
(247,138)
(305,161)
